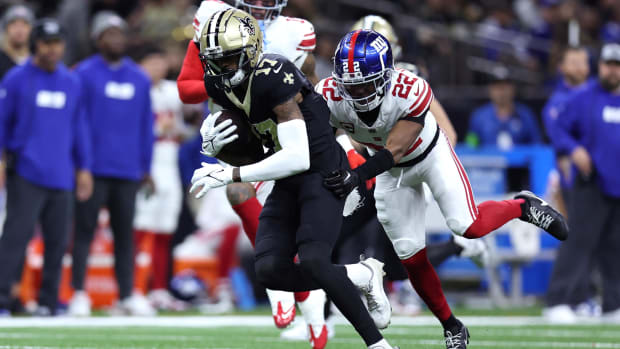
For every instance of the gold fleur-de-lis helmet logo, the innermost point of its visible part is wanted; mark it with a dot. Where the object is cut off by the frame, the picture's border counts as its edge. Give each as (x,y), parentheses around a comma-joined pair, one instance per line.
(247,24)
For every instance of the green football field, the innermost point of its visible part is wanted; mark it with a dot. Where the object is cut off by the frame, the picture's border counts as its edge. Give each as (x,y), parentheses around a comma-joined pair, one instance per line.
(222,333)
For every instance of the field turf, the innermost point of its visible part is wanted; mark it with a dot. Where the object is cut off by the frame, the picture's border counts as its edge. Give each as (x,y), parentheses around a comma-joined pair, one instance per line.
(196,332)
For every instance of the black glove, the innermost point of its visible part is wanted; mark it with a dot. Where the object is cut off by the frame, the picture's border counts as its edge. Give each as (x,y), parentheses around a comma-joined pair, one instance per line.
(342,182)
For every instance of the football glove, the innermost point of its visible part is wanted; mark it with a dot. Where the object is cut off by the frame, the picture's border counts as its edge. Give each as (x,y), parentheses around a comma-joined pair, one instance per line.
(356,160)
(210,176)
(342,182)
(214,138)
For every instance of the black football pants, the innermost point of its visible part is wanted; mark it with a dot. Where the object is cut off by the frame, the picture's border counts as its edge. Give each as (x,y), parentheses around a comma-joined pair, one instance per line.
(594,240)
(301,217)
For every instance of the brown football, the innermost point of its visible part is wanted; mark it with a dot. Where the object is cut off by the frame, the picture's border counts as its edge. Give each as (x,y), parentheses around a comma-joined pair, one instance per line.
(245,150)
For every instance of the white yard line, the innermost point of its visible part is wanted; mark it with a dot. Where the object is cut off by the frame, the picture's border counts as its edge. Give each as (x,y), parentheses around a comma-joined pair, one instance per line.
(254,321)
(494,332)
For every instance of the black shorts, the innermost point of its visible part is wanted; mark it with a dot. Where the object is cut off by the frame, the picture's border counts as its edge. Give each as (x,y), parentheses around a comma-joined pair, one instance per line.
(299,210)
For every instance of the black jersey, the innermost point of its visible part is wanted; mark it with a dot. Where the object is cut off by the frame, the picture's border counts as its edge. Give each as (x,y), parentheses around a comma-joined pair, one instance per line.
(274,81)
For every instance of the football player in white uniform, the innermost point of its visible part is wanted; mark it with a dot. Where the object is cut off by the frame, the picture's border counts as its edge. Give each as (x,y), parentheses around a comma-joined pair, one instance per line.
(247,199)
(459,246)
(387,110)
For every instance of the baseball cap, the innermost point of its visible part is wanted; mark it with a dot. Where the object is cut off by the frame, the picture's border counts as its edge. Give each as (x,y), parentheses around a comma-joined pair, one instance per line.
(499,73)
(17,12)
(47,29)
(610,52)
(105,20)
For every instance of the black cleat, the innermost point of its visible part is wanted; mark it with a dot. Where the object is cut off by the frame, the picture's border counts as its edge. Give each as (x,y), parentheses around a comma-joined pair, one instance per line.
(457,339)
(536,211)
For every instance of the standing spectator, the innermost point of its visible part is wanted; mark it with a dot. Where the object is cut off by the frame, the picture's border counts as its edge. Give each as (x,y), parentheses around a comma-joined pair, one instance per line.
(588,130)
(17,23)
(503,122)
(575,70)
(118,105)
(44,133)
(157,213)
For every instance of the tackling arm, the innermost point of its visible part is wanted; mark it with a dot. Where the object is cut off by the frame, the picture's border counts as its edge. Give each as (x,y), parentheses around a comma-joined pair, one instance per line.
(399,140)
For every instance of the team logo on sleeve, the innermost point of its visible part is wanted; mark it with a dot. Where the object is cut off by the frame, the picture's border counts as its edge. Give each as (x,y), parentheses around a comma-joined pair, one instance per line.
(288,78)
(247,25)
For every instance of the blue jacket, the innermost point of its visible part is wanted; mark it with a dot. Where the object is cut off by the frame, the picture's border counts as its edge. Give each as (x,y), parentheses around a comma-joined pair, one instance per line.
(521,127)
(42,122)
(592,119)
(554,107)
(118,105)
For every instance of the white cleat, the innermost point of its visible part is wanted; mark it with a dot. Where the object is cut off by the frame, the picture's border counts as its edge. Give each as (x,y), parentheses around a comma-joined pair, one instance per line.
(79,304)
(560,314)
(282,307)
(378,303)
(137,305)
(475,249)
(298,331)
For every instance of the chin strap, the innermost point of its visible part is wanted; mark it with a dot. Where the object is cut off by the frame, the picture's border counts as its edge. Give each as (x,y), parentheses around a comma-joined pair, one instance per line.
(237,78)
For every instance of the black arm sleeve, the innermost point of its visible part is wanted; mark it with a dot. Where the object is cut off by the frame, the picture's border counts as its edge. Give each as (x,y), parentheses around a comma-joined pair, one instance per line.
(377,164)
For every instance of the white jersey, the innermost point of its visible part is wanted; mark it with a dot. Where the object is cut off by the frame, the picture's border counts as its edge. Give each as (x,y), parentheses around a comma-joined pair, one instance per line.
(290,37)
(168,109)
(159,211)
(409,97)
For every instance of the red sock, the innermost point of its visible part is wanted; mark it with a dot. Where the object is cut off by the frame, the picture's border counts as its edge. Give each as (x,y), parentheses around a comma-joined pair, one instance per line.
(426,283)
(161,255)
(226,252)
(492,215)
(249,211)
(301,296)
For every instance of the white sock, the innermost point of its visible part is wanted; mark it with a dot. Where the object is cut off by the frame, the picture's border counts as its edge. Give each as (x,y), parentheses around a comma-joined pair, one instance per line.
(312,309)
(382,344)
(358,274)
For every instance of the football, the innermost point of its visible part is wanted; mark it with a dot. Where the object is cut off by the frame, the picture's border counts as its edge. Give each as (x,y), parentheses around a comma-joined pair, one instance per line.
(245,150)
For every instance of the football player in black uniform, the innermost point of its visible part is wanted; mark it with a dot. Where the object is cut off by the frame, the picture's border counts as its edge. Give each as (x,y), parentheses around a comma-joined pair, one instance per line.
(300,215)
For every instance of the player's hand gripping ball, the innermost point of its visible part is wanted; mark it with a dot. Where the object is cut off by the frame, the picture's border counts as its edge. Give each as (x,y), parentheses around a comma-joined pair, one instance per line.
(215,137)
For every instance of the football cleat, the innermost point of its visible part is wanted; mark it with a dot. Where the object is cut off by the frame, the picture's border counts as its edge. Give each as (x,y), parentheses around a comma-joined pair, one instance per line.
(298,331)
(536,211)
(282,307)
(318,341)
(474,249)
(459,339)
(79,304)
(378,303)
(283,318)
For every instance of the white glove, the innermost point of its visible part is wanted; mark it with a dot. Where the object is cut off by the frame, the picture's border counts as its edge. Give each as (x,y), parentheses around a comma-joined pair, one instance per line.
(216,137)
(210,176)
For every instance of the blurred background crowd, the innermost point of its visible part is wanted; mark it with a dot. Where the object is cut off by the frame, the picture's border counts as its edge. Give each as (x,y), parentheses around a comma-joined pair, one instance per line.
(488,61)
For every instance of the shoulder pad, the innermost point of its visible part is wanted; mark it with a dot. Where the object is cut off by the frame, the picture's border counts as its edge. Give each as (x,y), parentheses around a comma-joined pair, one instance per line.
(412,92)
(304,32)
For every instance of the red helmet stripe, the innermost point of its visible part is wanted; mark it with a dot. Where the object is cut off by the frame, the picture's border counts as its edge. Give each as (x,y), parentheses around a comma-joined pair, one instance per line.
(352,50)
